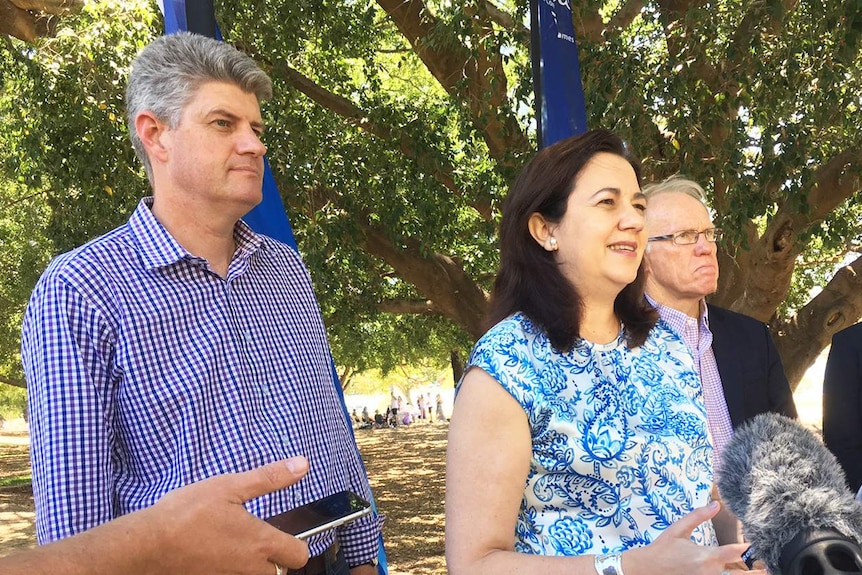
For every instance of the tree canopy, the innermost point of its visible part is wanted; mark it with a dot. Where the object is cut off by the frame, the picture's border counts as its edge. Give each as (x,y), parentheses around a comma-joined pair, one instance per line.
(398,125)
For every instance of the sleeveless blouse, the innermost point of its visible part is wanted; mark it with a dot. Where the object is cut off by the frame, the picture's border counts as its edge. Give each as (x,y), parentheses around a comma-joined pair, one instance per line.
(620,445)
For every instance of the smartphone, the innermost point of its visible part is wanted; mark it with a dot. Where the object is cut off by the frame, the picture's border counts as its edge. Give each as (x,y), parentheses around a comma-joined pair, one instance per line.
(321,515)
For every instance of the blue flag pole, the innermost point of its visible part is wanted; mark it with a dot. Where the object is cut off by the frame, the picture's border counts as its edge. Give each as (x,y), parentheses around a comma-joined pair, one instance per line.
(269,216)
(559,94)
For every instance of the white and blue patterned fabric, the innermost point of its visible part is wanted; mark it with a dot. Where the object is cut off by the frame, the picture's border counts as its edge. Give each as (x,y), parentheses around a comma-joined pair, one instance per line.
(620,446)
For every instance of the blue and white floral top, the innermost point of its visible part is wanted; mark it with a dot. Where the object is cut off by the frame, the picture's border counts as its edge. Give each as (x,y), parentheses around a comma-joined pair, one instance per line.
(620,444)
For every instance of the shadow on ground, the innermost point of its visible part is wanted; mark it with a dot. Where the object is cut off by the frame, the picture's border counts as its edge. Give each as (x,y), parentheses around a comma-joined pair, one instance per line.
(406,466)
(16,500)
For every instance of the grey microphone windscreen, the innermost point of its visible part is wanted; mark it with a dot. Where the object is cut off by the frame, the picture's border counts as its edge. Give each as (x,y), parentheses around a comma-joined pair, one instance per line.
(779,479)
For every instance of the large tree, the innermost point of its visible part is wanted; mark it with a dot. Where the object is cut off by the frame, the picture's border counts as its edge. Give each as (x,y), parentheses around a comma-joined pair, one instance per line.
(398,125)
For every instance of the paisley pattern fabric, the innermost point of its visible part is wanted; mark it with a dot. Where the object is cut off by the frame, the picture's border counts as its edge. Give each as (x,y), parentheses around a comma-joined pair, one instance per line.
(619,438)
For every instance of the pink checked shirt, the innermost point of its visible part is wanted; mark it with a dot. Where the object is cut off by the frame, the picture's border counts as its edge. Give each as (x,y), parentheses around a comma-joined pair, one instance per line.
(695,333)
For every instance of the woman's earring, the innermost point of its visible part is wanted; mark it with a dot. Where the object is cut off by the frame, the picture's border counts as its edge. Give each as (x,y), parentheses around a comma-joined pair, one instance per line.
(552,244)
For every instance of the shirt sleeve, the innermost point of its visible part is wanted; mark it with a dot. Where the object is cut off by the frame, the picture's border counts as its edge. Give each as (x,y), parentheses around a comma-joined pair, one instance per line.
(502,353)
(360,539)
(66,351)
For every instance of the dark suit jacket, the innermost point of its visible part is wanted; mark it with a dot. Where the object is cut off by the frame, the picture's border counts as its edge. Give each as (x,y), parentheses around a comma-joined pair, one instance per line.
(842,402)
(750,369)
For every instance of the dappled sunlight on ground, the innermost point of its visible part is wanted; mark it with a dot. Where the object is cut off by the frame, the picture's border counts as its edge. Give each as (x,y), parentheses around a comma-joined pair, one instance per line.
(406,466)
(17,528)
(16,501)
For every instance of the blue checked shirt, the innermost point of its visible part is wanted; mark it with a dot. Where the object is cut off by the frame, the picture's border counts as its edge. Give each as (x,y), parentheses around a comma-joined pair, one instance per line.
(147,371)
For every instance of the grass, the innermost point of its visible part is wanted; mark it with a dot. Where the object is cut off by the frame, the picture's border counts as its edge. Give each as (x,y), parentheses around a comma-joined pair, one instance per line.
(15,481)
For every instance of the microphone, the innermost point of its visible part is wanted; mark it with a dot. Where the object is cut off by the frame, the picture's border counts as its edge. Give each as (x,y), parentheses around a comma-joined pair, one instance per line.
(790,494)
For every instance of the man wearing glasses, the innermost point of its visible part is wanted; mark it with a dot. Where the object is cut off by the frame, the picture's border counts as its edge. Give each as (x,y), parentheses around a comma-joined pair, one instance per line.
(738,364)
(735,356)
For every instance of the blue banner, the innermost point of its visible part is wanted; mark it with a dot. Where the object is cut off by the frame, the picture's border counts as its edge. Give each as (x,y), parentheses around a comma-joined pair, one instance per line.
(269,216)
(175,15)
(559,94)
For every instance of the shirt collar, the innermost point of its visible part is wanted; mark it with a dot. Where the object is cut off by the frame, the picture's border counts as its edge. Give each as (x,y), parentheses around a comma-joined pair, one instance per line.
(676,318)
(159,248)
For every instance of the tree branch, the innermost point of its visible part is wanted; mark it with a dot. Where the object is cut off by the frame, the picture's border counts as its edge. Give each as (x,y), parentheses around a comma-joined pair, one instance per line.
(504,19)
(760,18)
(28,20)
(416,307)
(17,23)
(837,180)
(773,255)
(630,10)
(50,6)
(476,79)
(346,377)
(26,198)
(673,14)
(834,182)
(589,26)
(398,139)
(448,289)
(13,382)
(731,279)
(839,305)
(588,23)
(438,277)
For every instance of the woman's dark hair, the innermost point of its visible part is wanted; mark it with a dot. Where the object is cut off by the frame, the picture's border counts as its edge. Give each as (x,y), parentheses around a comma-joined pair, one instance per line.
(529,279)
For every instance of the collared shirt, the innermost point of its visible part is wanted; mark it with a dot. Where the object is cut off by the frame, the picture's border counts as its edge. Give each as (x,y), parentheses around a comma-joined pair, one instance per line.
(147,370)
(695,332)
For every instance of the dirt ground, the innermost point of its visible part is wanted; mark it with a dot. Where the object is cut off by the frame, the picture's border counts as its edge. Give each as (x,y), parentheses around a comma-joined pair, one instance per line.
(406,467)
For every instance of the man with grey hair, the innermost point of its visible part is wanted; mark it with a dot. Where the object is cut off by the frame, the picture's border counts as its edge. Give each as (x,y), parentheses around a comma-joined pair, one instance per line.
(735,355)
(182,345)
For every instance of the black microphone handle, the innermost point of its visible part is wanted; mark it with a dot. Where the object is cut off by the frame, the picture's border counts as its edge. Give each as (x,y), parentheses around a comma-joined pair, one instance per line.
(820,552)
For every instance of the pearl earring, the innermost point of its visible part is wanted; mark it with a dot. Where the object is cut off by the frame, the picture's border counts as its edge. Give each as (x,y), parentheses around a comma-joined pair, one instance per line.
(552,242)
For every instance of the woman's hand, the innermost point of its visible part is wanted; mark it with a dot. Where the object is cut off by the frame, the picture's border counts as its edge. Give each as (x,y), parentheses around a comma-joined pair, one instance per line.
(674,551)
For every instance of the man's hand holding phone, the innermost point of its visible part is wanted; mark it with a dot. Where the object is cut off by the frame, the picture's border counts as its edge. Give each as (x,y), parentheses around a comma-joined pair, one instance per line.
(321,515)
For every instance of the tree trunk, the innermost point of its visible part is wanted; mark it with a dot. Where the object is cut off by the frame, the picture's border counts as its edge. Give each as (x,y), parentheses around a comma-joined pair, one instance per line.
(28,20)
(14,382)
(457,366)
(839,305)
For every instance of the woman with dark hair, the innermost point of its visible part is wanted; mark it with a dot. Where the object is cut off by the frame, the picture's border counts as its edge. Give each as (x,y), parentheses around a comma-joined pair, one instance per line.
(579,427)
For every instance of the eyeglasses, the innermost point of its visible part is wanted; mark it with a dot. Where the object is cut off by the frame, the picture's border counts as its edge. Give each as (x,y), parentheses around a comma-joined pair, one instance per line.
(688,237)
